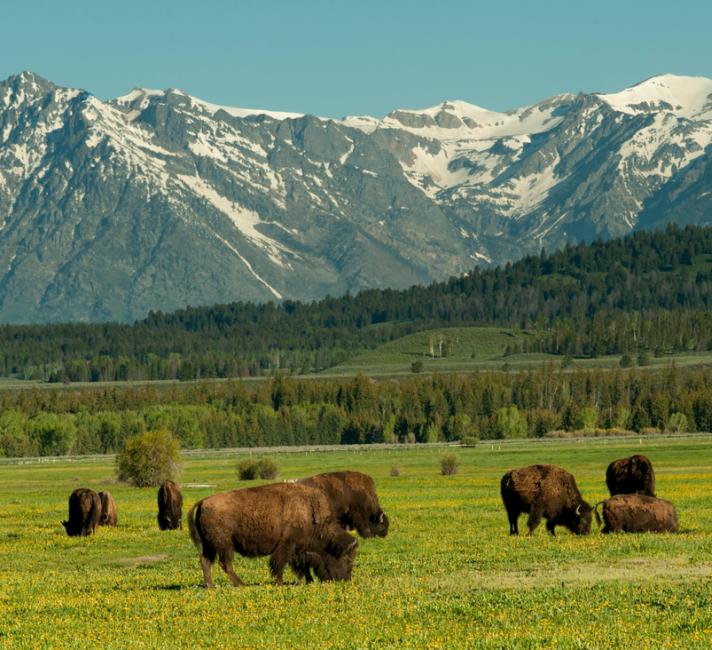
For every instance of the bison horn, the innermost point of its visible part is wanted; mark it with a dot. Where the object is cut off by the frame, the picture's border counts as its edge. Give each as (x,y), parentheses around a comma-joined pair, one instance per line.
(380,518)
(578,509)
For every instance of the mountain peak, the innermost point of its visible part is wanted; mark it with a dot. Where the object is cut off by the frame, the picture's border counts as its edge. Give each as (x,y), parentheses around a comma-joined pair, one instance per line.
(685,96)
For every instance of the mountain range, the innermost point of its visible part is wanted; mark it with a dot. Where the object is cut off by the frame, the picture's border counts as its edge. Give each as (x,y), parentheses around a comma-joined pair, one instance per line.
(157,200)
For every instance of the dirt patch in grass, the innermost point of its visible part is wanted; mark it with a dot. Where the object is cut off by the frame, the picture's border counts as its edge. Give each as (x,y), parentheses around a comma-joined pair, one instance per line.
(142,560)
(639,569)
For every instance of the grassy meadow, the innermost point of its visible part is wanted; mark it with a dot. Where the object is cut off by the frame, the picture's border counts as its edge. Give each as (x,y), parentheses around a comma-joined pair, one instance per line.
(447,576)
(479,348)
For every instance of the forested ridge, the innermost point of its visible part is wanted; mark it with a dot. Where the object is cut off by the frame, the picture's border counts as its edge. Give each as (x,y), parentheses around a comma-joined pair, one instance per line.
(649,291)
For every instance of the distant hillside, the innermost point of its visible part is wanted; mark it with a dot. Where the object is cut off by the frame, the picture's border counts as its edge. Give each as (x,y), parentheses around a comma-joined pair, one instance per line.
(649,291)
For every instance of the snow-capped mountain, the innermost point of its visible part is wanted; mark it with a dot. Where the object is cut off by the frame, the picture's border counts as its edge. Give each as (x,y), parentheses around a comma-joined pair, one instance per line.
(157,199)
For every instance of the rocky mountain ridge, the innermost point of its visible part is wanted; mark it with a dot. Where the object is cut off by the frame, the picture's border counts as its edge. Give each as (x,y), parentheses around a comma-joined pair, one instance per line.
(157,199)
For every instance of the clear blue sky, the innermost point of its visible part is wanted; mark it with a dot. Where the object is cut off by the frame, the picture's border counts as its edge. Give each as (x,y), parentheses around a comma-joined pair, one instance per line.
(334,58)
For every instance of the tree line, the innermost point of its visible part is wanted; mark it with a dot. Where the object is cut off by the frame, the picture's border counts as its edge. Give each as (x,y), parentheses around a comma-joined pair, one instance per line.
(288,411)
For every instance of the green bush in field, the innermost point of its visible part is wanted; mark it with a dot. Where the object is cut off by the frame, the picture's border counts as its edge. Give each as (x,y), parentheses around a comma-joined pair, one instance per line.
(149,458)
(449,464)
(251,468)
(677,423)
(395,471)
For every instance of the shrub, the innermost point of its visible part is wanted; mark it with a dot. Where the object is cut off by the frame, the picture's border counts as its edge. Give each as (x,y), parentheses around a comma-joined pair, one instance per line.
(149,459)
(417,366)
(626,361)
(469,441)
(395,470)
(677,422)
(449,465)
(252,468)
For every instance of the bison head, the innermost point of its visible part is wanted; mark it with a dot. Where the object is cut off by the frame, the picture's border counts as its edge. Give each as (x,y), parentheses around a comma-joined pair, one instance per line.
(582,519)
(379,524)
(330,567)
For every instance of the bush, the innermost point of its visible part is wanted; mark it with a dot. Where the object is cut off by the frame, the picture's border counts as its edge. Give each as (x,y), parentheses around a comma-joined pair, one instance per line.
(395,470)
(677,423)
(252,468)
(149,458)
(417,366)
(626,361)
(469,441)
(449,465)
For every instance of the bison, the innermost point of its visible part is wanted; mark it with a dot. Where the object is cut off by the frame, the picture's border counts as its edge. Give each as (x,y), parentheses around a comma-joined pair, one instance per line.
(84,512)
(637,513)
(353,497)
(108,509)
(170,506)
(632,475)
(294,524)
(545,491)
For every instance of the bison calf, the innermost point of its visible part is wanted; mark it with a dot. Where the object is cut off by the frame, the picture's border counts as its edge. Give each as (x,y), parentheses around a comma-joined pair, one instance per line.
(170,506)
(108,510)
(84,512)
(353,497)
(545,491)
(630,476)
(292,523)
(637,513)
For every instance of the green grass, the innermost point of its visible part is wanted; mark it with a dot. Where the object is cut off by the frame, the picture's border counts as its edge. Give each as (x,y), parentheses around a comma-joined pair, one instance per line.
(478,348)
(447,576)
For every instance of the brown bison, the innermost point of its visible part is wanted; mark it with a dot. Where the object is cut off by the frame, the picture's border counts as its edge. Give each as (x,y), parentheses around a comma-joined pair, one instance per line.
(170,506)
(637,513)
(84,512)
(108,509)
(353,497)
(632,475)
(292,523)
(545,491)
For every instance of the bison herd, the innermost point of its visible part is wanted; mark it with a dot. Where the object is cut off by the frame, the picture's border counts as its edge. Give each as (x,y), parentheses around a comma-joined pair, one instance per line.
(550,492)
(304,524)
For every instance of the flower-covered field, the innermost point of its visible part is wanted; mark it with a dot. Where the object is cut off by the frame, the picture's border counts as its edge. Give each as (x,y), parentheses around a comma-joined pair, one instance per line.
(447,576)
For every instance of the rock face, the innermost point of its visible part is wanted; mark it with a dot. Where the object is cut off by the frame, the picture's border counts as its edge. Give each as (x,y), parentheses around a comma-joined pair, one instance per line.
(157,200)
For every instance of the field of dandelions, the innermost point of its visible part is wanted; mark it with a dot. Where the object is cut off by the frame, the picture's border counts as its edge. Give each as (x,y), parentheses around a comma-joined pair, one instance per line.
(447,576)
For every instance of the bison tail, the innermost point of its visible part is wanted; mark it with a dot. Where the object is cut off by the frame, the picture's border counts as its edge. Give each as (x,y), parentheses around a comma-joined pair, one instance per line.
(595,512)
(194,525)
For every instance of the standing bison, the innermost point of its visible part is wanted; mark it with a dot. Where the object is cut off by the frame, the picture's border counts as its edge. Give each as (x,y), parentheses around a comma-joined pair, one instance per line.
(353,497)
(545,491)
(170,506)
(108,509)
(84,512)
(637,513)
(632,475)
(292,523)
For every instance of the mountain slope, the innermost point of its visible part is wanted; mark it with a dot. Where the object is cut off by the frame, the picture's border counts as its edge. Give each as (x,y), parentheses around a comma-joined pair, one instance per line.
(157,199)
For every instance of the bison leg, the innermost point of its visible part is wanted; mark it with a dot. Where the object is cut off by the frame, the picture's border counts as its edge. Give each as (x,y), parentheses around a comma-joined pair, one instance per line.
(550,525)
(279,559)
(534,520)
(226,564)
(207,572)
(513,517)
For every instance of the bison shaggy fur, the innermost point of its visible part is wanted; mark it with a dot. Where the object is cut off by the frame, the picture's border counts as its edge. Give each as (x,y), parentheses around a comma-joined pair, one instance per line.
(544,491)
(354,500)
(84,512)
(632,475)
(637,513)
(108,509)
(170,506)
(292,523)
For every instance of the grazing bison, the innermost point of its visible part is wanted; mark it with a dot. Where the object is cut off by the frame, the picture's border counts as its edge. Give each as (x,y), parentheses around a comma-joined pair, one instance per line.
(292,523)
(637,513)
(84,512)
(170,506)
(545,491)
(632,475)
(353,497)
(108,509)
